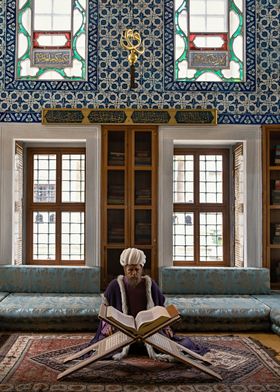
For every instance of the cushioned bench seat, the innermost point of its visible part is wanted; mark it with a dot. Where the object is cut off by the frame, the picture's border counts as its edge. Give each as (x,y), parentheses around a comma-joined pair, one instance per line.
(220,313)
(273,301)
(49,298)
(222,299)
(48,279)
(275,319)
(3,295)
(215,280)
(37,298)
(46,311)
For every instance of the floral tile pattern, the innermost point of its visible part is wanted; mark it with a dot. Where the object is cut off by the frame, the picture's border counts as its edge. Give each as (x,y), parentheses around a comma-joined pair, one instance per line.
(253,102)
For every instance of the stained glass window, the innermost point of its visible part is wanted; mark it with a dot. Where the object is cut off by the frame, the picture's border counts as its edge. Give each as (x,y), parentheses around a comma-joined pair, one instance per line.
(209,40)
(51,41)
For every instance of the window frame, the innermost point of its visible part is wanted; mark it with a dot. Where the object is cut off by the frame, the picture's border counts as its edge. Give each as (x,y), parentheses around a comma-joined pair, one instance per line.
(196,207)
(89,84)
(249,83)
(238,186)
(57,207)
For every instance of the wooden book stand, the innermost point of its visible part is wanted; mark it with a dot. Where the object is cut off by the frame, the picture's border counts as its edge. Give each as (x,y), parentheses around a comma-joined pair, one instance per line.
(123,337)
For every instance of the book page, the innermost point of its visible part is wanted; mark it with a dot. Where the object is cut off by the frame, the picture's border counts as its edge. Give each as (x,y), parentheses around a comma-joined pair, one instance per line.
(148,319)
(125,320)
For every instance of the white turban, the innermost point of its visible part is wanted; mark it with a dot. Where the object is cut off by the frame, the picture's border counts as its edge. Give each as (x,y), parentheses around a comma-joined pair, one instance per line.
(132,256)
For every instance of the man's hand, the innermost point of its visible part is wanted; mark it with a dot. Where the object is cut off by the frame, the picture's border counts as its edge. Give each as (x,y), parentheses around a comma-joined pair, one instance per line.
(168,331)
(107,330)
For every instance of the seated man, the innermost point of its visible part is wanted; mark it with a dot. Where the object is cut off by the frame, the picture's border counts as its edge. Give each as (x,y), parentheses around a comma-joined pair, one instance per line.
(132,293)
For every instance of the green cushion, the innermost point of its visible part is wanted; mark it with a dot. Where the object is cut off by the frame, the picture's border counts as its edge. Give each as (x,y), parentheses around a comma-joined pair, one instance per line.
(49,312)
(3,295)
(49,279)
(220,312)
(214,280)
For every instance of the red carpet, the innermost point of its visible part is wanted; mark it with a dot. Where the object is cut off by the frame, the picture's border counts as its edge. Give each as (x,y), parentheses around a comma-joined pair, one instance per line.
(31,362)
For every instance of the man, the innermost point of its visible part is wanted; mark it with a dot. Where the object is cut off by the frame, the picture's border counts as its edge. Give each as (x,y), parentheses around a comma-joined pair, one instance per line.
(132,293)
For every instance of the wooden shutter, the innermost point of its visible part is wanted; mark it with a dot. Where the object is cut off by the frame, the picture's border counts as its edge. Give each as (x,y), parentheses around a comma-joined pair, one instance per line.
(18,208)
(238,176)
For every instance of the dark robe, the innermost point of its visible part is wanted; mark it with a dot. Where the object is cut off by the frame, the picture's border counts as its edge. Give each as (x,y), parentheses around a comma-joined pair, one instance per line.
(113,297)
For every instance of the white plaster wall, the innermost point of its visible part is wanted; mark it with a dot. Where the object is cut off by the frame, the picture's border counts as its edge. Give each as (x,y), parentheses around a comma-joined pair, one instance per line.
(223,135)
(91,136)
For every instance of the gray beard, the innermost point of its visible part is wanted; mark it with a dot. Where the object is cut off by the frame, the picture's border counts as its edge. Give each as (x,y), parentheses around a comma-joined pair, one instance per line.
(133,282)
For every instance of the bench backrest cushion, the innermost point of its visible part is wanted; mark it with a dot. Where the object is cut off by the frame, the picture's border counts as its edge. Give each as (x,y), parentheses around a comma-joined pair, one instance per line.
(45,279)
(214,280)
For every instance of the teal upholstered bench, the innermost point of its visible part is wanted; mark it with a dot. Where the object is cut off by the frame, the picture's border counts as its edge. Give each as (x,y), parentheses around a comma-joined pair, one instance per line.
(222,299)
(273,301)
(214,280)
(42,279)
(49,298)
(34,298)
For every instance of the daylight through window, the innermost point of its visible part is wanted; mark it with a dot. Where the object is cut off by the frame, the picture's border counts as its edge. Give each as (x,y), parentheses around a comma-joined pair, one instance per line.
(209,40)
(201,207)
(56,206)
(51,41)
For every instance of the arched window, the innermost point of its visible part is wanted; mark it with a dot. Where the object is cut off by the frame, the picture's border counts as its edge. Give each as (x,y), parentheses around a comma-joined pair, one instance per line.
(51,40)
(209,40)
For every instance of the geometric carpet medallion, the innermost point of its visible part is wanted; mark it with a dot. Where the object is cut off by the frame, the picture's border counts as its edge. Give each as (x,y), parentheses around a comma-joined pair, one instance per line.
(31,362)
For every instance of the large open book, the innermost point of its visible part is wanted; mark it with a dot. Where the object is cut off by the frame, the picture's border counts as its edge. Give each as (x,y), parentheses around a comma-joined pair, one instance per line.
(144,322)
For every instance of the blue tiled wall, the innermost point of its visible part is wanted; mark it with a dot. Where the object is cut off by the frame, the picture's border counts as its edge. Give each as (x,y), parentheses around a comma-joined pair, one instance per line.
(254,101)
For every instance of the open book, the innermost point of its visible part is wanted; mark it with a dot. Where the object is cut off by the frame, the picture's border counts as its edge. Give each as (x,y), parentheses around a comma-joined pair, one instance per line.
(145,321)
(144,328)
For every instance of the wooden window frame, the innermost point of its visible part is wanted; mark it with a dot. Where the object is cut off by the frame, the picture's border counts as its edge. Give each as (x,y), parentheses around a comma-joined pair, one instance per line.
(238,185)
(196,207)
(58,207)
(18,205)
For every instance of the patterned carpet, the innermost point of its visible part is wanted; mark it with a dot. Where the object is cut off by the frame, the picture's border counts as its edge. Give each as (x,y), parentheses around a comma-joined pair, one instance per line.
(31,363)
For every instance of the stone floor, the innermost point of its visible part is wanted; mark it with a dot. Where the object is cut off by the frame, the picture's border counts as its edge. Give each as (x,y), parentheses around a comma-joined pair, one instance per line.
(269,340)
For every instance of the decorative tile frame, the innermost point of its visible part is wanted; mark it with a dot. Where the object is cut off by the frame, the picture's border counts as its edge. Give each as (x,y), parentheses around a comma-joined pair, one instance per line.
(108,83)
(250,49)
(11,83)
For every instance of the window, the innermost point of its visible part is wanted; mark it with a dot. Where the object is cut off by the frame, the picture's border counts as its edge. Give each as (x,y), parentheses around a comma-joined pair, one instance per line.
(238,182)
(200,207)
(56,206)
(209,40)
(18,202)
(51,41)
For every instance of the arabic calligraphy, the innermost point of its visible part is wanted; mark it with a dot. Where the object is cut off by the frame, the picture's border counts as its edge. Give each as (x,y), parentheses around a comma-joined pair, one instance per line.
(64,116)
(109,117)
(150,116)
(131,40)
(194,117)
(209,59)
(130,116)
(50,58)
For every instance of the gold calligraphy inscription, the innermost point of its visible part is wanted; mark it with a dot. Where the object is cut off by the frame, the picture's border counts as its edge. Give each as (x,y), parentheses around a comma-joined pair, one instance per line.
(108,117)
(129,116)
(150,116)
